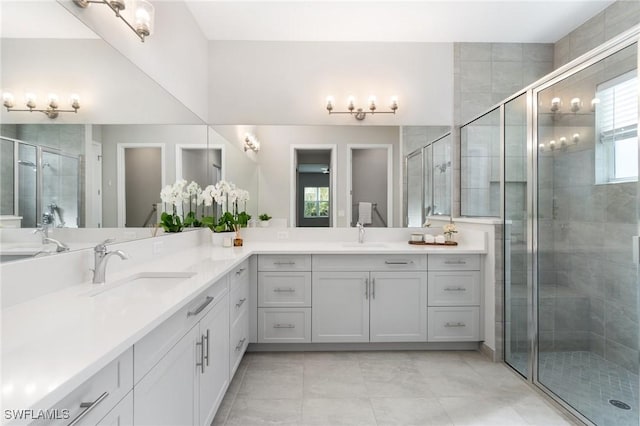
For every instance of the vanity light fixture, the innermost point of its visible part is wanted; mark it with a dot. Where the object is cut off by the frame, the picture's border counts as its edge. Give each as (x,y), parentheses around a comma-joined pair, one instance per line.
(359,113)
(251,143)
(52,111)
(141,13)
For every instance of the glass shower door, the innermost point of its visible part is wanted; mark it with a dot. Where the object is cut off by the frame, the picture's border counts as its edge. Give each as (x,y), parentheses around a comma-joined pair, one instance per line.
(586,220)
(61,188)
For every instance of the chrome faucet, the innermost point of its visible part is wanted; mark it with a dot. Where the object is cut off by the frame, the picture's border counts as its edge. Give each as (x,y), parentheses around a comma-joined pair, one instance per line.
(360,232)
(60,246)
(101,256)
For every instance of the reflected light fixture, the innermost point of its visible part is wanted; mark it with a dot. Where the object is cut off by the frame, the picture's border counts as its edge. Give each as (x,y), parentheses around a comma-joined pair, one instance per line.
(575,104)
(52,110)
(594,103)
(140,13)
(555,104)
(251,143)
(359,113)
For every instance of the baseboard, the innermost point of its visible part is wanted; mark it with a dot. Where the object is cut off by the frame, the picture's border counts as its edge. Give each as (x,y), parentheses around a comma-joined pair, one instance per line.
(410,346)
(489,352)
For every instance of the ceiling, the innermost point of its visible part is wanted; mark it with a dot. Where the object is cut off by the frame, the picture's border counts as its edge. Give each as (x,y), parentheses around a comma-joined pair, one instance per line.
(534,21)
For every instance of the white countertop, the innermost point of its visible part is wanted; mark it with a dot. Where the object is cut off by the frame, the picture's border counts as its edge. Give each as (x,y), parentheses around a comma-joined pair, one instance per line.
(52,344)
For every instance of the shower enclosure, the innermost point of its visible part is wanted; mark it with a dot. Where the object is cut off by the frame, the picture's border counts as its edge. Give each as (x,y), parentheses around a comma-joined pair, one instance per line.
(41,184)
(559,163)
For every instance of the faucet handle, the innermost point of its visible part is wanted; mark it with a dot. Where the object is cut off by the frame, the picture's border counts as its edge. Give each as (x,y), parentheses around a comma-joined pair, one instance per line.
(101,247)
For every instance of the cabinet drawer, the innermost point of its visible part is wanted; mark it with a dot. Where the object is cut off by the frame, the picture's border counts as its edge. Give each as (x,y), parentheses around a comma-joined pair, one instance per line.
(239,275)
(121,415)
(152,347)
(454,324)
(239,341)
(454,288)
(280,289)
(238,301)
(454,262)
(284,262)
(288,325)
(103,391)
(363,262)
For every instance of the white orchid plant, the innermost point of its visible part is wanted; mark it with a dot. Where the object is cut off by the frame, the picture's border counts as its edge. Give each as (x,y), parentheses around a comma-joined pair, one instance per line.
(225,194)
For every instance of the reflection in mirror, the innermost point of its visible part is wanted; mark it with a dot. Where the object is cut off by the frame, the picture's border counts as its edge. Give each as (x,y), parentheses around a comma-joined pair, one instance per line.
(63,172)
(313,187)
(371,173)
(480,166)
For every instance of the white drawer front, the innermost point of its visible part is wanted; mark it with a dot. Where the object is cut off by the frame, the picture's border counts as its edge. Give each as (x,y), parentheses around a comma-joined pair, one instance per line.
(239,341)
(104,390)
(284,262)
(363,262)
(239,275)
(238,302)
(287,325)
(454,288)
(280,289)
(454,324)
(454,262)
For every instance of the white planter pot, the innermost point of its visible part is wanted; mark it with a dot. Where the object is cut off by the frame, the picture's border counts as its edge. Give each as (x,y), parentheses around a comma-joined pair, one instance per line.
(264,223)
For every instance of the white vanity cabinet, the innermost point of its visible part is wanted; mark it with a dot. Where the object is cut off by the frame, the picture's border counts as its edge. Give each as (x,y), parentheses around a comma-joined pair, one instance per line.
(284,298)
(238,315)
(182,366)
(455,294)
(384,301)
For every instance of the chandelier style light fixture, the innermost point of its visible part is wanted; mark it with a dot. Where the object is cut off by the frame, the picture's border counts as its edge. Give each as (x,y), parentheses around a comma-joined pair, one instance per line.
(53,109)
(359,113)
(251,143)
(139,12)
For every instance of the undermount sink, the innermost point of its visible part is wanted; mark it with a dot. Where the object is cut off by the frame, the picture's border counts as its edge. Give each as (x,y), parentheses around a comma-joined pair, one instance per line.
(365,245)
(155,279)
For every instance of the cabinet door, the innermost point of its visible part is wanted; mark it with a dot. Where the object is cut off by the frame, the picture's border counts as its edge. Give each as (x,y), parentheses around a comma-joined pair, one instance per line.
(398,302)
(340,310)
(121,415)
(214,376)
(167,394)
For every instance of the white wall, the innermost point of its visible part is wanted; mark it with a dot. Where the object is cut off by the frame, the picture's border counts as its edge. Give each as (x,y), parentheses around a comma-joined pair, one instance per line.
(276,83)
(175,55)
(274,160)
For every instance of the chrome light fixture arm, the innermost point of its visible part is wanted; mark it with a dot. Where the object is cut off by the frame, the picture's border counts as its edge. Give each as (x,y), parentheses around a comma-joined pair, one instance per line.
(141,29)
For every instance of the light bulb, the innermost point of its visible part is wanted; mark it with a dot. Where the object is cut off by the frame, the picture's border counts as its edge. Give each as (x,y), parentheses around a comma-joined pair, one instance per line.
(576,138)
(330,101)
(372,103)
(394,103)
(30,99)
(351,103)
(541,147)
(555,104)
(552,145)
(143,18)
(8,100)
(563,142)
(53,100)
(575,104)
(594,103)
(75,101)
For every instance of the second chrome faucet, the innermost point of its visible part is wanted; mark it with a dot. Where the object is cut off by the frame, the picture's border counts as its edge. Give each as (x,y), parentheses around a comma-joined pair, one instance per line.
(101,257)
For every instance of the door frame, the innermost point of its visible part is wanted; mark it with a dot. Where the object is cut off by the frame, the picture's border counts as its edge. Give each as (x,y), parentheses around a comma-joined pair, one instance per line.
(349,195)
(186,146)
(121,178)
(293,166)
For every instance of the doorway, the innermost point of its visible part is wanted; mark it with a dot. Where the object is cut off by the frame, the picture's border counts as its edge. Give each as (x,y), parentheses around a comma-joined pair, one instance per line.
(313,194)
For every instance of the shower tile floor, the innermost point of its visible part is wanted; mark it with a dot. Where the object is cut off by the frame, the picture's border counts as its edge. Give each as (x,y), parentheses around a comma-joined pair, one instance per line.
(587,382)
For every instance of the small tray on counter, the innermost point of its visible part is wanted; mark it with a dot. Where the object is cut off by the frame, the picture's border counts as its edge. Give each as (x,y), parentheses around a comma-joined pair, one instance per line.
(422,243)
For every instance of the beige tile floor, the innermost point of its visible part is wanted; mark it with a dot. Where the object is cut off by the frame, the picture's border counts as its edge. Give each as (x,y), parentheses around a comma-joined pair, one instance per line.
(381,388)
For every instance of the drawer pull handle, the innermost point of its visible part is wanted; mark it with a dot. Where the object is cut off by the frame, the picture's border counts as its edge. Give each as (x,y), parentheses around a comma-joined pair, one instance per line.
(373,288)
(239,271)
(455,289)
(284,326)
(284,263)
(88,406)
(201,363)
(284,290)
(455,262)
(241,302)
(208,300)
(206,337)
(455,324)
(398,262)
(366,288)
(240,344)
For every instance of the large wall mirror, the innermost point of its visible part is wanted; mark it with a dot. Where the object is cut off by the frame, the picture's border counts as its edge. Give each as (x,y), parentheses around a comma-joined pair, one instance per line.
(102,167)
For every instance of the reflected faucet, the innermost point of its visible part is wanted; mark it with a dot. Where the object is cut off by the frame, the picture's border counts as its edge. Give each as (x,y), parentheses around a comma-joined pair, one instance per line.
(60,246)
(101,256)
(360,227)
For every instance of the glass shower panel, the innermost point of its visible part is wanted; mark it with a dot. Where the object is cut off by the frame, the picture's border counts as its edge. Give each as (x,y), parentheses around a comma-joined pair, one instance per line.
(587,217)
(7,177)
(517,352)
(427,156)
(27,176)
(414,189)
(442,176)
(480,166)
(60,188)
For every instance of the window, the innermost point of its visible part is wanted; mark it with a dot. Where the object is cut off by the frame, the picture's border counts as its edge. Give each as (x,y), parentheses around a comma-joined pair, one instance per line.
(617,130)
(316,201)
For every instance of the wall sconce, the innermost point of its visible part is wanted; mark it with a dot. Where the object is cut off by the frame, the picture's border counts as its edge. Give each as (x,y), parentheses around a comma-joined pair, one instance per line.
(251,143)
(359,113)
(555,104)
(575,104)
(142,13)
(52,111)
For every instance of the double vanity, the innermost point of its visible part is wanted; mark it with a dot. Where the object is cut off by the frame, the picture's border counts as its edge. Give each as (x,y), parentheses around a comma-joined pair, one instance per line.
(160,342)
